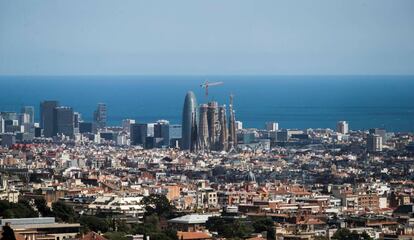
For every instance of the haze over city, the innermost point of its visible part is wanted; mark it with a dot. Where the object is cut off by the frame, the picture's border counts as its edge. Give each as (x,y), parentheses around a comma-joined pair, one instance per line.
(103,37)
(206,120)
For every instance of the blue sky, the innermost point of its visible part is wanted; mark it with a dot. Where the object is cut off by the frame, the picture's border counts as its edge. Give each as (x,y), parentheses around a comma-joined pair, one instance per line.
(128,37)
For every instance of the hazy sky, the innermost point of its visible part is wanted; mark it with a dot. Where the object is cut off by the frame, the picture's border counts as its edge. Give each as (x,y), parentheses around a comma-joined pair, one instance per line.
(56,37)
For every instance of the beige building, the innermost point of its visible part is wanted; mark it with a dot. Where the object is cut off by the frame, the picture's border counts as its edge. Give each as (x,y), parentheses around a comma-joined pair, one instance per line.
(45,228)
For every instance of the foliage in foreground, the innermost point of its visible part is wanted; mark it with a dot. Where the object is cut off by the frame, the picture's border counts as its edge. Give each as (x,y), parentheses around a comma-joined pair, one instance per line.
(346,234)
(157,208)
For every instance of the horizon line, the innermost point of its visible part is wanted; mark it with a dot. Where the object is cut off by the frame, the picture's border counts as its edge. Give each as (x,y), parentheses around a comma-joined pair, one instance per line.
(206,75)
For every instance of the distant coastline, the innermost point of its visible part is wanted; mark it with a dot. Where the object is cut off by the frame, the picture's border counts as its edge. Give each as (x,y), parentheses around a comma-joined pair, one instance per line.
(365,101)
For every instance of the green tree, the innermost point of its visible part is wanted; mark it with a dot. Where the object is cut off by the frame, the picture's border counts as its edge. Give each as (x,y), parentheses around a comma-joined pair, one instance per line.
(214,224)
(264,225)
(4,205)
(171,234)
(342,234)
(240,229)
(63,212)
(346,234)
(42,207)
(151,227)
(22,209)
(92,223)
(150,224)
(229,229)
(157,204)
(121,225)
(116,235)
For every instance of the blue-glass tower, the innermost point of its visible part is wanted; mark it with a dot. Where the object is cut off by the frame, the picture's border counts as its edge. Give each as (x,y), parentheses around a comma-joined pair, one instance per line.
(189,122)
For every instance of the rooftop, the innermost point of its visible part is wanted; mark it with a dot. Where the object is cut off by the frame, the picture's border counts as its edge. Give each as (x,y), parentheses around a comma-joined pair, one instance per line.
(191,219)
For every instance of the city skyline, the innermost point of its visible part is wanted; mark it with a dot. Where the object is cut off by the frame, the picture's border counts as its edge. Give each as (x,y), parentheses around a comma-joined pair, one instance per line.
(203,129)
(295,102)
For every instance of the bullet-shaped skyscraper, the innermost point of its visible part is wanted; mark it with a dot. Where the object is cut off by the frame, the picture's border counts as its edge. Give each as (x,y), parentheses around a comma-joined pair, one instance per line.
(189,122)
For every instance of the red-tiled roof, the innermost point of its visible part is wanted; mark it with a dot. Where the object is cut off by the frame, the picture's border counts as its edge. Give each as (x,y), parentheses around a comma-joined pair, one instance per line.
(93,236)
(192,235)
(256,238)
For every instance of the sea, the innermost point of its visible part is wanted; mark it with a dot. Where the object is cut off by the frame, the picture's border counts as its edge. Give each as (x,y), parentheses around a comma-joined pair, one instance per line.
(295,102)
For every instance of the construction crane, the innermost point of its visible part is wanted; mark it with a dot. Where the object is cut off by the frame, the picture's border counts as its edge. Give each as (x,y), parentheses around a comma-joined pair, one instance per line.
(208,84)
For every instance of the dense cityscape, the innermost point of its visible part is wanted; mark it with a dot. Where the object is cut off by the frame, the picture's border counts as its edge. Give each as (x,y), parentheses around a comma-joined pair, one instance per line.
(206,120)
(206,178)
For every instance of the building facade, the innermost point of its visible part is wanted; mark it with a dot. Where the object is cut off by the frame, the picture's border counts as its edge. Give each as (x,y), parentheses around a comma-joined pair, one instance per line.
(47,118)
(138,134)
(189,122)
(342,127)
(374,143)
(99,116)
(64,121)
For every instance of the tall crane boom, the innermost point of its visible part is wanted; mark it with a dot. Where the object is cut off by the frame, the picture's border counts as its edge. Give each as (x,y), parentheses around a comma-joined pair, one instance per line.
(208,84)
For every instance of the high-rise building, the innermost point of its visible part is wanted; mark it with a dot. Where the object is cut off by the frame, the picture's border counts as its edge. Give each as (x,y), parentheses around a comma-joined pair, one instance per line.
(213,125)
(99,116)
(207,128)
(1,124)
(86,127)
(239,125)
(126,124)
(272,126)
(194,134)
(64,121)
(203,131)
(47,117)
(108,135)
(374,143)
(248,136)
(122,139)
(224,137)
(162,130)
(9,115)
(37,132)
(25,123)
(8,139)
(342,127)
(11,126)
(175,134)
(77,118)
(189,123)
(232,126)
(30,111)
(150,129)
(24,118)
(379,131)
(138,134)
(153,142)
